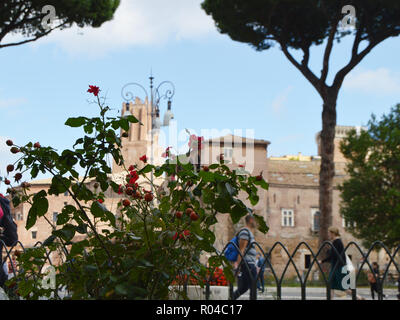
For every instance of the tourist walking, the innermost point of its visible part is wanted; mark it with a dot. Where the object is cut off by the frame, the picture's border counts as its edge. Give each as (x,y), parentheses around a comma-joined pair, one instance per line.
(260,272)
(247,268)
(337,259)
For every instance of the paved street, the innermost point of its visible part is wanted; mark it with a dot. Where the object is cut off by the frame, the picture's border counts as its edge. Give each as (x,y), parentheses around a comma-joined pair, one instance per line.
(289,293)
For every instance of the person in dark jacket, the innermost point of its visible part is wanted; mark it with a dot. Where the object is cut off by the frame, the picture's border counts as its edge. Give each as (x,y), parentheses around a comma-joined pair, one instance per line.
(9,236)
(337,259)
(373,278)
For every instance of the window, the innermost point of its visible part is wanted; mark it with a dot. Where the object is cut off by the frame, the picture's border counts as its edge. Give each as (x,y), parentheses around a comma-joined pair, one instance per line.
(315,217)
(18,216)
(55,215)
(287,218)
(347,224)
(274,198)
(298,199)
(34,234)
(307,261)
(228,153)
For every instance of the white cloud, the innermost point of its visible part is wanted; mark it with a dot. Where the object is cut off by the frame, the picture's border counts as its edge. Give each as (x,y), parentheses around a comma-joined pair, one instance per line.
(137,22)
(379,81)
(279,103)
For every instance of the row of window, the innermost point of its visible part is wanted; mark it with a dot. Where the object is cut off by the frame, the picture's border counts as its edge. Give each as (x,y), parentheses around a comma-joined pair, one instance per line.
(288,219)
(19,216)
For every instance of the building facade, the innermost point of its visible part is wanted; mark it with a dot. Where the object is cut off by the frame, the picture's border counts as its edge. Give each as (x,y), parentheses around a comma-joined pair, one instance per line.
(290,206)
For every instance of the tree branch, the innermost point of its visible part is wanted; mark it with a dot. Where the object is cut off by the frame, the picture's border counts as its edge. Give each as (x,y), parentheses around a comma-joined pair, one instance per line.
(303,68)
(13,44)
(328,51)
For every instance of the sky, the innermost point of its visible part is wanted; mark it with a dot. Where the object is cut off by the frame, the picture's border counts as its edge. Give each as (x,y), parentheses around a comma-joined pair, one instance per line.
(220,84)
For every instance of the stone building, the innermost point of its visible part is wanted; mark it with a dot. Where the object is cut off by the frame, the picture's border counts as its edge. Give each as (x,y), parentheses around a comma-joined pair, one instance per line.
(290,206)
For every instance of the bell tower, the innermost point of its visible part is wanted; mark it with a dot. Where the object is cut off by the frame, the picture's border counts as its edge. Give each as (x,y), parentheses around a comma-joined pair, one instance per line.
(138,140)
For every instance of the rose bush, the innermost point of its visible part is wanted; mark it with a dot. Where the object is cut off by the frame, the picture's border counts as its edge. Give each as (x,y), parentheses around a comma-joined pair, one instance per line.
(157,234)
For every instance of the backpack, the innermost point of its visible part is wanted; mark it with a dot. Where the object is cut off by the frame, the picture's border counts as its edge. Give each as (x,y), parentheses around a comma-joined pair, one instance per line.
(231,253)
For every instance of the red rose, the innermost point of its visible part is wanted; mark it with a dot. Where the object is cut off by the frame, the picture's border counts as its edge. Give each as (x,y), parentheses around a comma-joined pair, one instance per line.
(186,233)
(120,190)
(9,143)
(133,177)
(7,182)
(206,169)
(95,90)
(100,200)
(126,203)
(37,145)
(143,158)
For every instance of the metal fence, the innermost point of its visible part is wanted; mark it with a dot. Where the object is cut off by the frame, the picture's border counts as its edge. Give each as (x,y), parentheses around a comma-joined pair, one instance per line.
(278,280)
(304,279)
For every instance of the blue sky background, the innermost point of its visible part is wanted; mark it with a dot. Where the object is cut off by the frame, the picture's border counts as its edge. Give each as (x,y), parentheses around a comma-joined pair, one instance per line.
(219,83)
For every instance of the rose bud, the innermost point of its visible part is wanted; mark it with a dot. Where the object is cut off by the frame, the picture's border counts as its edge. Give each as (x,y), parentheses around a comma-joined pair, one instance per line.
(14,150)
(179,214)
(149,197)
(194,216)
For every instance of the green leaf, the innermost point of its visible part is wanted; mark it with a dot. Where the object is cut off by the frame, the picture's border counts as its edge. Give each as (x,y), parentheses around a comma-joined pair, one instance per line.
(262,226)
(263,184)
(238,211)
(76,122)
(222,206)
(98,210)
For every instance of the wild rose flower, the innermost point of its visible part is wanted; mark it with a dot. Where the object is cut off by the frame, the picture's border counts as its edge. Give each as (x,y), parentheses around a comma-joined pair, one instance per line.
(143,158)
(95,90)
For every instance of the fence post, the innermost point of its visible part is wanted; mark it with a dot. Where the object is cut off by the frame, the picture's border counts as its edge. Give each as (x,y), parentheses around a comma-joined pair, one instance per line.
(253,290)
(279,292)
(230,291)
(208,290)
(303,291)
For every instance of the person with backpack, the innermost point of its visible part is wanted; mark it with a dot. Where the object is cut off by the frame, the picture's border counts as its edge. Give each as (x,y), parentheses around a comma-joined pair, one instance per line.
(9,236)
(247,268)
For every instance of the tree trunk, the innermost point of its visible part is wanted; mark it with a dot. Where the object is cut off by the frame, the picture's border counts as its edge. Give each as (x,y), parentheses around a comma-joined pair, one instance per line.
(327,171)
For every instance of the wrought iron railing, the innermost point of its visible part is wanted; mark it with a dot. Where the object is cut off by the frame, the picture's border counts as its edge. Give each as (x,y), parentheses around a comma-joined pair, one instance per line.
(303,280)
(278,280)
